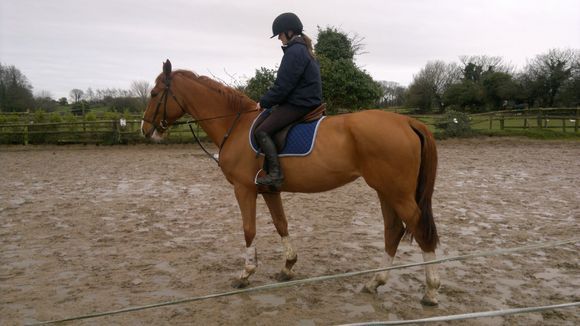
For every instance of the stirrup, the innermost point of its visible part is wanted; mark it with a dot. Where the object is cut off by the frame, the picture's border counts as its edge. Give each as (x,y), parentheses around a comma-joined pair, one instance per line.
(269,187)
(268,180)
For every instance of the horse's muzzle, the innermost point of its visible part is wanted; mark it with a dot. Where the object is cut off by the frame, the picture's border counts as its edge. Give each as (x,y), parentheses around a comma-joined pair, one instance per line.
(151,133)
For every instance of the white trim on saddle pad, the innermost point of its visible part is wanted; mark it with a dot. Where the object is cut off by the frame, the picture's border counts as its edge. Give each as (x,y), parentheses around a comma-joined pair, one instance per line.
(286,155)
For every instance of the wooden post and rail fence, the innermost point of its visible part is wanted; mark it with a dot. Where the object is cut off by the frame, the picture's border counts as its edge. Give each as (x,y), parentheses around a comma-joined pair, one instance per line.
(19,128)
(564,119)
(25,131)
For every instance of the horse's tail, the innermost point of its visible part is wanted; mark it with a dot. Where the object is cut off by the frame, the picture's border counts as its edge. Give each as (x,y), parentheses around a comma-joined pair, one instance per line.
(426,230)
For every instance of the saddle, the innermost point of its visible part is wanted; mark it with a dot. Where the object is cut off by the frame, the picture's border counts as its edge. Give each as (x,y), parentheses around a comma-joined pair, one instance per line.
(280,137)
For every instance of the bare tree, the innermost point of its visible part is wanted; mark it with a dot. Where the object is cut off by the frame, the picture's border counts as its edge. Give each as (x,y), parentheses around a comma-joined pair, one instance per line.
(487,63)
(393,93)
(44,94)
(440,75)
(43,100)
(76,95)
(426,90)
(141,89)
(90,95)
(358,45)
(548,73)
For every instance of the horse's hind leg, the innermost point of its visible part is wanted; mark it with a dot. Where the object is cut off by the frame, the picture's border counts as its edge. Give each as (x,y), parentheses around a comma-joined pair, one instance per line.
(394,230)
(409,213)
(432,280)
(274,203)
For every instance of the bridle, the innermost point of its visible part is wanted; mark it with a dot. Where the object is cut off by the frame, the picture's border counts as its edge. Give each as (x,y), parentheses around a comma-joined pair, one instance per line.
(164,124)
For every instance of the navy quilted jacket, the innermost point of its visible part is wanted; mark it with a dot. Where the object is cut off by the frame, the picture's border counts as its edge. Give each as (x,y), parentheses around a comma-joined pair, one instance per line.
(298,80)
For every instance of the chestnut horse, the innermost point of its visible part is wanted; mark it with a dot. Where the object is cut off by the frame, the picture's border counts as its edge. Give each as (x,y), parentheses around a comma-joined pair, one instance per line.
(395,154)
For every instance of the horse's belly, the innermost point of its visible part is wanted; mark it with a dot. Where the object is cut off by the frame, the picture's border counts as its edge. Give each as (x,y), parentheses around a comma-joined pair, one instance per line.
(300,176)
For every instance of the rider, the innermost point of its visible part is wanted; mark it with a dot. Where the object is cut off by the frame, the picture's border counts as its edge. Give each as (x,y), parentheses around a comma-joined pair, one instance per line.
(296,91)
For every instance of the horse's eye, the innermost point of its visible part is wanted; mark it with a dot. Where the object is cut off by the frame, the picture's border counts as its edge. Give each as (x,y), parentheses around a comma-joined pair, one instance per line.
(153,94)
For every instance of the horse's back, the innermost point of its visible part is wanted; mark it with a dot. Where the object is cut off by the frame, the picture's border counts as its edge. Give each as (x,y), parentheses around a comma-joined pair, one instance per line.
(380,131)
(369,133)
(386,121)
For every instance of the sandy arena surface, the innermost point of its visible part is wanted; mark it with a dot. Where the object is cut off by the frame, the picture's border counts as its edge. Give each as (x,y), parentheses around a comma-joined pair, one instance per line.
(87,229)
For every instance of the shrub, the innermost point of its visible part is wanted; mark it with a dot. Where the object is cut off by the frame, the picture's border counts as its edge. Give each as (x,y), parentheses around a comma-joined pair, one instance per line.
(54,117)
(70,118)
(260,83)
(91,116)
(111,115)
(39,116)
(455,124)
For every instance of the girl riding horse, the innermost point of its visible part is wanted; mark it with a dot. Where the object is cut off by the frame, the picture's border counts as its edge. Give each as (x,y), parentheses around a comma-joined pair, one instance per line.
(296,91)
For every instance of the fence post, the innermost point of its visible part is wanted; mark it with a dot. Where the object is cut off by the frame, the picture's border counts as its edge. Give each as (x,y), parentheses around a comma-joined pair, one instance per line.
(563,124)
(26,127)
(501,122)
(539,118)
(113,132)
(116,131)
(490,121)
(576,120)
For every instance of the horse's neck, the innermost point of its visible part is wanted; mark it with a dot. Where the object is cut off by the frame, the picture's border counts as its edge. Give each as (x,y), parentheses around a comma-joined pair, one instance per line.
(216,110)
(217,129)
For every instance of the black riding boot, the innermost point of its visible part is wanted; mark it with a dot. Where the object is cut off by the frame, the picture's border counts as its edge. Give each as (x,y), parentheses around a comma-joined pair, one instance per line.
(274,176)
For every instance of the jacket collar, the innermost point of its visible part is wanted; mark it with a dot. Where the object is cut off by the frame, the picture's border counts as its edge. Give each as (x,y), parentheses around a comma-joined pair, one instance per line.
(295,40)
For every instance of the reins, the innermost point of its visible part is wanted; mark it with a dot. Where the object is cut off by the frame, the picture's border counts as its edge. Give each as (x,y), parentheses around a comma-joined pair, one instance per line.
(226,135)
(214,118)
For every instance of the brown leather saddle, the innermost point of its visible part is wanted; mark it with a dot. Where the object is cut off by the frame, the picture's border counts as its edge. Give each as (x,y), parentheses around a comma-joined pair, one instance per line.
(281,136)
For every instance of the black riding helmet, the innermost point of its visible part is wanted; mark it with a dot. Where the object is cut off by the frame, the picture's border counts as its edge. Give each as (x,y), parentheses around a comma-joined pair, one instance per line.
(286,22)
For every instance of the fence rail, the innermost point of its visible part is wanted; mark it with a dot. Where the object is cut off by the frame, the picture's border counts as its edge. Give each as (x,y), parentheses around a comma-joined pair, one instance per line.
(566,119)
(19,128)
(99,132)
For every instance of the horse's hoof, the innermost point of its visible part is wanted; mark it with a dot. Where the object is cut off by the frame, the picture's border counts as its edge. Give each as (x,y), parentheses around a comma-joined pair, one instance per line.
(429,302)
(283,277)
(369,289)
(240,283)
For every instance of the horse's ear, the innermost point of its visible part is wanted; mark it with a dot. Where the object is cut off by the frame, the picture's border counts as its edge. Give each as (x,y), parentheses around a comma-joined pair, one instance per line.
(167,68)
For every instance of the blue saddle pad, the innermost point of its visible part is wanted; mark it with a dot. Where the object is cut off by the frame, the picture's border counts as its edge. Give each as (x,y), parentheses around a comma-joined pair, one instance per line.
(300,139)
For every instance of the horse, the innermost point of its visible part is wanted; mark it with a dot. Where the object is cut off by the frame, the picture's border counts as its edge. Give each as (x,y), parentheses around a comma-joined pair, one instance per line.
(395,154)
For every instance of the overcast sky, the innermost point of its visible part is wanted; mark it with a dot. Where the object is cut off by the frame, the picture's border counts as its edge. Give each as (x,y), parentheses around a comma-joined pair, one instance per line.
(64,44)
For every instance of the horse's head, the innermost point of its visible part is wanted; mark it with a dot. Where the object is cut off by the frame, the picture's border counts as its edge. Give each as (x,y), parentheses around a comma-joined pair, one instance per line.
(163,108)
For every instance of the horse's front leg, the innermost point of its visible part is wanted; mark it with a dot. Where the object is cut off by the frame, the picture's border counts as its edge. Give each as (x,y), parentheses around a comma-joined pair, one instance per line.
(274,203)
(247,201)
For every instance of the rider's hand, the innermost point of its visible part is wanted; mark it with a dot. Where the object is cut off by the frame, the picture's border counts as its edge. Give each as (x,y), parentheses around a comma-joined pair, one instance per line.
(258,107)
